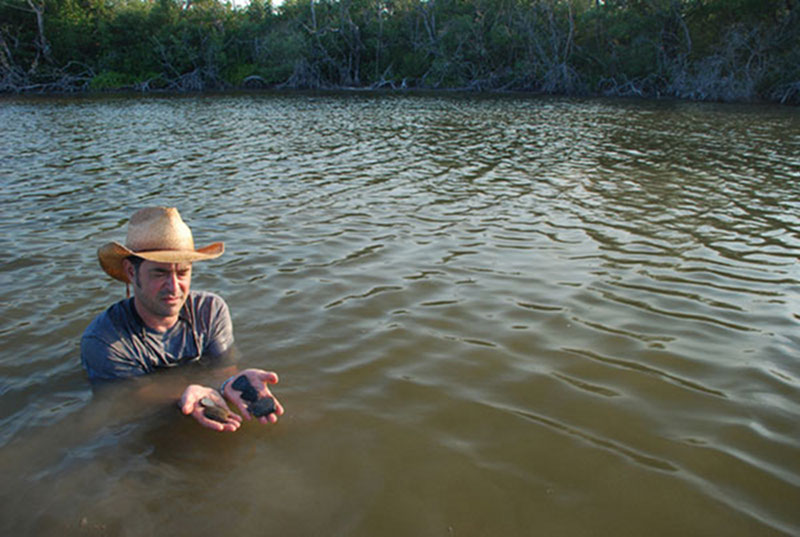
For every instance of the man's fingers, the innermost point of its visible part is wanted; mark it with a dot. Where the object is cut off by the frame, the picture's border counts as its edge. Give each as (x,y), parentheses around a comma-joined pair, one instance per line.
(230,425)
(188,403)
(266,377)
(269,377)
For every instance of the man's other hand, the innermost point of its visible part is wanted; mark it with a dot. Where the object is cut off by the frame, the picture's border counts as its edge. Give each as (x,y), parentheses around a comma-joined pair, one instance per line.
(260,381)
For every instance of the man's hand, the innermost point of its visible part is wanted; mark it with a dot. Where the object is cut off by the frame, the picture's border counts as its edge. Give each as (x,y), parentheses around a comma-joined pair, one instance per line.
(191,405)
(259,380)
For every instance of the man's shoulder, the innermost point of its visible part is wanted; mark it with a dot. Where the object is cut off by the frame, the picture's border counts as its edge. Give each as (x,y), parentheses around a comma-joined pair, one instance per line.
(206,301)
(108,348)
(117,317)
(205,297)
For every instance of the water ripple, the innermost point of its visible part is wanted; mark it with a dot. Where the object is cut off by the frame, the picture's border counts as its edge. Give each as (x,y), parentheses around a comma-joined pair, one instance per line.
(633,455)
(638,367)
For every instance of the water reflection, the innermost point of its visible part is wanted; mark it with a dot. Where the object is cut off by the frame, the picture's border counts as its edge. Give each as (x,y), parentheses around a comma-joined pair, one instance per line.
(489,315)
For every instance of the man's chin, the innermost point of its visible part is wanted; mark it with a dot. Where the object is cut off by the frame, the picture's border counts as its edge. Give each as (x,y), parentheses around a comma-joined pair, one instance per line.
(171,306)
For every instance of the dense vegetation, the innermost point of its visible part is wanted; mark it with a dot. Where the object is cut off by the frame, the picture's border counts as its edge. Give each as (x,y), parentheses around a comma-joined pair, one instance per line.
(730,50)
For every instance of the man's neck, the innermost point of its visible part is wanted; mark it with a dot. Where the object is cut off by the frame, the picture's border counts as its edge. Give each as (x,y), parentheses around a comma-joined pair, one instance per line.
(159,324)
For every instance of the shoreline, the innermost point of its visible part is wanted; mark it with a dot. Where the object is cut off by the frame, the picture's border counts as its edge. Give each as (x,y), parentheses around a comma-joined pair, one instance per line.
(384,91)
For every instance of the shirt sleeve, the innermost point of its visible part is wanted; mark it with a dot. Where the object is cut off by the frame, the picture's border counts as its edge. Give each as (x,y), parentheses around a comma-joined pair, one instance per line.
(220,328)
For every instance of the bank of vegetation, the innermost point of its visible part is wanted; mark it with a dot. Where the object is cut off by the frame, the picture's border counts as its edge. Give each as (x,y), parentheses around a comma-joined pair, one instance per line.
(722,50)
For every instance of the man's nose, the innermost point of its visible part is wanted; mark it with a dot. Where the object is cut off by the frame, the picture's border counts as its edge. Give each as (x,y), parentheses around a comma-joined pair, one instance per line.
(172,281)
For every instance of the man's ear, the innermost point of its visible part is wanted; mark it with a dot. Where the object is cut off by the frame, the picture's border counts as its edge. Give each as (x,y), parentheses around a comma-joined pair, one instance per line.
(129,270)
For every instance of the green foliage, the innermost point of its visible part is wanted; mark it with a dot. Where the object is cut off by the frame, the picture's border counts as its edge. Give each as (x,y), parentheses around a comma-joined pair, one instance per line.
(703,49)
(111,80)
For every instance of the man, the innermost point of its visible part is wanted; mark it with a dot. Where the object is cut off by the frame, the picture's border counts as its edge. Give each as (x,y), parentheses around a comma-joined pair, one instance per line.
(166,325)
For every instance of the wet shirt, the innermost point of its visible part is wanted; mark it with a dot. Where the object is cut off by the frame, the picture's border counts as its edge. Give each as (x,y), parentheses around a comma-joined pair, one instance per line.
(117,344)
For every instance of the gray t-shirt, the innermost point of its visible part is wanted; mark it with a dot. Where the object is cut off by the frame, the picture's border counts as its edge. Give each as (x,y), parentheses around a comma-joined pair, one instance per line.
(117,344)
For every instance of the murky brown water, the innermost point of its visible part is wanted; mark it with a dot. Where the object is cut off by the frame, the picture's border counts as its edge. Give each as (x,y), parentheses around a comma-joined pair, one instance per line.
(498,317)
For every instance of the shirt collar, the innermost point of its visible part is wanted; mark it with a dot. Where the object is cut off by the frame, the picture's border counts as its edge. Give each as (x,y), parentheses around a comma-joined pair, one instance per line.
(184,315)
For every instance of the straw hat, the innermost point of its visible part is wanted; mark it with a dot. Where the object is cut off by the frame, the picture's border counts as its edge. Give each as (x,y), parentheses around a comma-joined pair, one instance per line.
(156,234)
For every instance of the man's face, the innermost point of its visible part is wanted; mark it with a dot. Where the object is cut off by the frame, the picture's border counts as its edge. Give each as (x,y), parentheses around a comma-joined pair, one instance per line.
(161,288)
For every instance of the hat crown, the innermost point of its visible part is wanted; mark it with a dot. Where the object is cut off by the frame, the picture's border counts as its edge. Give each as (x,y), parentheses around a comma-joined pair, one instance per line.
(158,228)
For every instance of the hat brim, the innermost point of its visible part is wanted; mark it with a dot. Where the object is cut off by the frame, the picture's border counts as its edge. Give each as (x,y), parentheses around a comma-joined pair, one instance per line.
(112,254)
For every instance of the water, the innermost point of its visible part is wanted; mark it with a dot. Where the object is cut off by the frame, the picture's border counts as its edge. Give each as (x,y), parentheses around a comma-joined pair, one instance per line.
(491,316)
